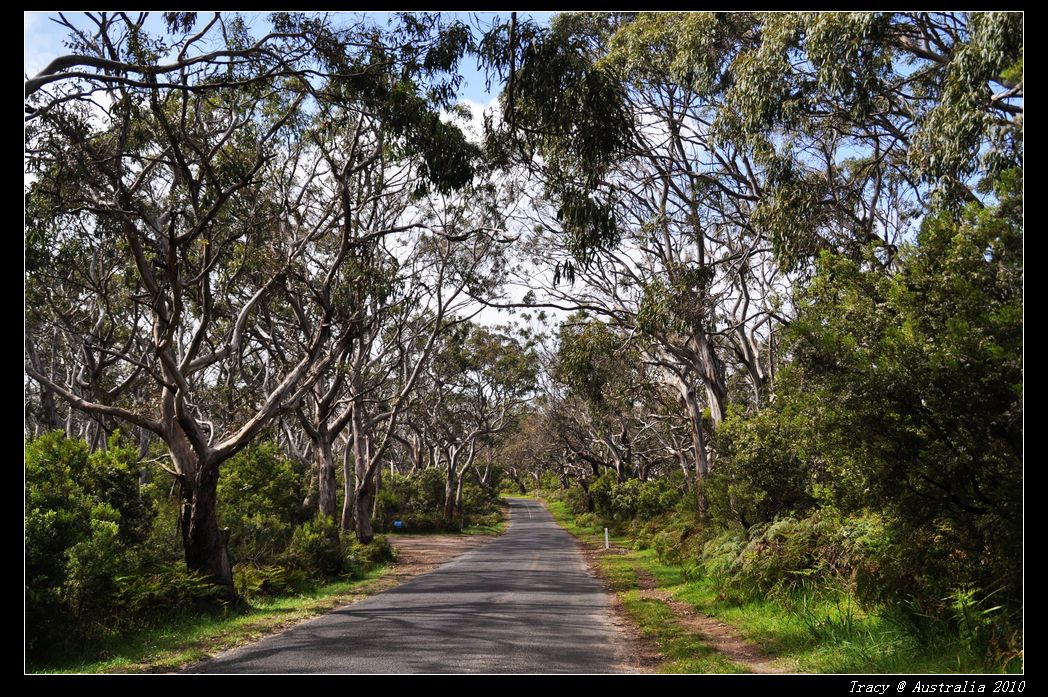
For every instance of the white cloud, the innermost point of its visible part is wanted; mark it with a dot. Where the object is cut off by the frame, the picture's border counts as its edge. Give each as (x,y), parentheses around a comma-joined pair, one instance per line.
(474,126)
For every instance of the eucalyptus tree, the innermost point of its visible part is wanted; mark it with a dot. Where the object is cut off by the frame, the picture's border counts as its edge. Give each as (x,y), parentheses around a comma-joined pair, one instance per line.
(388,273)
(646,215)
(718,154)
(178,196)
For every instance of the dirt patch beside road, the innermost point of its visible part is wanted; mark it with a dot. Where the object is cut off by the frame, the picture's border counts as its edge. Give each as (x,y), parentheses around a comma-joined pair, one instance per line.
(418,554)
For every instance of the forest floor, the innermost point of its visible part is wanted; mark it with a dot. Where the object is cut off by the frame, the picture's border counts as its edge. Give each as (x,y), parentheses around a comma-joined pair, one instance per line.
(195,639)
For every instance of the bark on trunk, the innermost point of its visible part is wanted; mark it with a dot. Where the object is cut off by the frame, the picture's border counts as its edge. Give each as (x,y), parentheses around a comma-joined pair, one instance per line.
(204,542)
(325,470)
(378,485)
(458,495)
(449,491)
(712,378)
(699,444)
(365,534)
(348,486)
(363,493)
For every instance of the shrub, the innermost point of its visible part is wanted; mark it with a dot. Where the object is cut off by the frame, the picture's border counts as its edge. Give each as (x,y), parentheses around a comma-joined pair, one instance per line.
(83,515)
(253,581)
(657,496)
(601,489)
(587,520)
(92,567)
(576,499)
(489,520)
(315,548)
(260,499)
(379,551)
(167,593)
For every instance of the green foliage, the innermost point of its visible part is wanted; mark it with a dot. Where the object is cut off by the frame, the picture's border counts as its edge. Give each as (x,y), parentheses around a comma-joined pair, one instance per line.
(633,499)
(923,371)
(418,501)
(588,360)
(150,598)
(83,515)
(254,582)
(952,142)
(680,303)
(315,548)
(574,108)
(586,520)
(373,554)
(260,494)
(576,499)
(113,476)
(93,565)
(762,475)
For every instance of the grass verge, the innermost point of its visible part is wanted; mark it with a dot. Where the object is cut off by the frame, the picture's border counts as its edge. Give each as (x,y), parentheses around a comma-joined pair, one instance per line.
(682,651)
(809,634)
(195,638)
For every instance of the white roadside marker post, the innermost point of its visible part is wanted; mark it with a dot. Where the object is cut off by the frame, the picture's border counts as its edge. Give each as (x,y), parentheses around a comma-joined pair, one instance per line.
(606,545)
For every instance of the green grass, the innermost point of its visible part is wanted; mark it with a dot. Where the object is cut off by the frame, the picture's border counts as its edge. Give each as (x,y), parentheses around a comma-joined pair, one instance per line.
(830,635)
(684,651)
(496,529)
(194,638)
(824,635)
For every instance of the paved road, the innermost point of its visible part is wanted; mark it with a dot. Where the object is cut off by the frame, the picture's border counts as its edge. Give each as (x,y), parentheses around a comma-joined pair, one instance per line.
(521,604)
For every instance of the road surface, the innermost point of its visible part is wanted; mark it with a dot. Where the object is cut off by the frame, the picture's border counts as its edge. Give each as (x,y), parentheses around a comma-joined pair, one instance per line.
(522,604)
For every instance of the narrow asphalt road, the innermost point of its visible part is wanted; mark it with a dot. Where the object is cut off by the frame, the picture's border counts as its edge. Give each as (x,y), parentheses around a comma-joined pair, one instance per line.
(524,603)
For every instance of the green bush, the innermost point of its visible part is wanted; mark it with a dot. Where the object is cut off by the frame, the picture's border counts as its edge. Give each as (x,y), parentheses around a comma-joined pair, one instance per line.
(478,500)
(489,520)
(587,520)
(83,518)
(576,499)
(761,475)
(642,532)
(260,494)
(169,592)
(418,502)
(315,548)
(633,499)
(93,565)
(601,489)
(361,558)
(822,553)
(253,581)
(658,496)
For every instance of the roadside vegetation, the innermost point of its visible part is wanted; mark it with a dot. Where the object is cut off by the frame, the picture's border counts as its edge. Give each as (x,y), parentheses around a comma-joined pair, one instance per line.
(109,588)
(802,621)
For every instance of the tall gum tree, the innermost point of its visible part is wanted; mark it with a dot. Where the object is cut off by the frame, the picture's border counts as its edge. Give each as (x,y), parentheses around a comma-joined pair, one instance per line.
(179,160)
